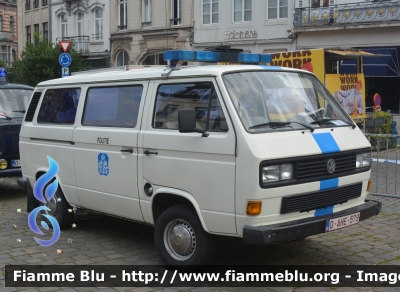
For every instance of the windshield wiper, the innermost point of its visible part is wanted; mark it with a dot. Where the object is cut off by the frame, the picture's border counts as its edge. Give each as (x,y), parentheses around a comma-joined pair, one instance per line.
(281,124)
(19,111)
(323,121)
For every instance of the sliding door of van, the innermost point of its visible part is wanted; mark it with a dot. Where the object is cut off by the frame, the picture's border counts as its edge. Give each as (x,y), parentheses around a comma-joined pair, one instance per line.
(106,149)
(202,168)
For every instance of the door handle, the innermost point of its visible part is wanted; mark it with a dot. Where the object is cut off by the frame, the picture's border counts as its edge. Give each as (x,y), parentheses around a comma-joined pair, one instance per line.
(147,152)
(127,150)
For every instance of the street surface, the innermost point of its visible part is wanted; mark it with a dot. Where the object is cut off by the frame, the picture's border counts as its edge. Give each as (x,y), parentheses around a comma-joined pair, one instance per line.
(100,239)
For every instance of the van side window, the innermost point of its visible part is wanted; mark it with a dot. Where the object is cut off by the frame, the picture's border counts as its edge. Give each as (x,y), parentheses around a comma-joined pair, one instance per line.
(59,106)
(201,96)
(112,106)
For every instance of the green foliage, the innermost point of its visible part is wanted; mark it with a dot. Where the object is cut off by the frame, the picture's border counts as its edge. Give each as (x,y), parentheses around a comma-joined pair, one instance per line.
(39,62)
(386,127)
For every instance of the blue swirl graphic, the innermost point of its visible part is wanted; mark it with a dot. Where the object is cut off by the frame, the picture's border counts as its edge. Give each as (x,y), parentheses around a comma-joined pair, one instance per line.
(49,193)
(33,226)
(44,179)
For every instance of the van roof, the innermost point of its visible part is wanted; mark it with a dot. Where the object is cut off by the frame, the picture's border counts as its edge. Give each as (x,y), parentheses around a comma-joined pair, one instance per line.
(155,73)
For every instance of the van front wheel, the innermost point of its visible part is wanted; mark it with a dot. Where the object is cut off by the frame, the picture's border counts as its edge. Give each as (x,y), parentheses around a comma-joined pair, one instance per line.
(59,209)
(180,238)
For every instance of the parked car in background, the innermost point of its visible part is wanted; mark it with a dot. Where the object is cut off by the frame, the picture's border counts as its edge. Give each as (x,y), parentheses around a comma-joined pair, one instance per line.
(14,99)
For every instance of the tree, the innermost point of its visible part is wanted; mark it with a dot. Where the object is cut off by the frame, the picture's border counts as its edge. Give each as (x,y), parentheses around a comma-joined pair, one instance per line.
(39,62)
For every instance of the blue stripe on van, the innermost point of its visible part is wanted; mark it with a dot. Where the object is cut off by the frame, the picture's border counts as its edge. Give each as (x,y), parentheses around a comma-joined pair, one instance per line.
(323,211)
(326,143)
(328,184)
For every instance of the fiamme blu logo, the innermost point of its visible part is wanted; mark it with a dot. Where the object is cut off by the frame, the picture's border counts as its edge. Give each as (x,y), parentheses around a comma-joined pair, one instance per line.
(44,194)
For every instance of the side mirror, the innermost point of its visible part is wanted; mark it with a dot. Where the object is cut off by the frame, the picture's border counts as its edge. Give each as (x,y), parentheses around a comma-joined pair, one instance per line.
(187,122)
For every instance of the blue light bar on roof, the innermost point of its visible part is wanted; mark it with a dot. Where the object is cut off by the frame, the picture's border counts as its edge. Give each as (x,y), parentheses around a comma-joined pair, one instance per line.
(3,72)
(179,55)
(206,56)
(209,56)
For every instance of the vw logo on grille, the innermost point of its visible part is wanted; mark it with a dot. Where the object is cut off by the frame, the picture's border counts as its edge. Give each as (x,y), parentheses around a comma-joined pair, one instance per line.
(331,166)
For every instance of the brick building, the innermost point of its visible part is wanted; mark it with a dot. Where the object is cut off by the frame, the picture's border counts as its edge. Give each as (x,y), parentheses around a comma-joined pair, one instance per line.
(8,31)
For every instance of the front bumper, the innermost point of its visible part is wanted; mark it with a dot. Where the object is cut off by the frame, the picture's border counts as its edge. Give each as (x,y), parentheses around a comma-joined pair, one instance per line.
(10,172)
(270,234)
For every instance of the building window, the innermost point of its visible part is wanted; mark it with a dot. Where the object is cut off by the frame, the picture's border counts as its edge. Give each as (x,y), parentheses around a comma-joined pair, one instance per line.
(122,14)
(157,59)
(79,32)
(210,11)
(35,3)
(46,30)
(1,22)
(98,25)
(27,4)
(242,10)
(36,28)
(277,9)
(44,3)
(321,3)
(11,24)
(63,26)
(176,12)
(28,33)
(146,12)
(122,58)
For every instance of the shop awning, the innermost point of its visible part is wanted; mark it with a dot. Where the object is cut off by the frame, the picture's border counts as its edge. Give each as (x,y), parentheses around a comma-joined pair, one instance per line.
(351,53)
(386,65)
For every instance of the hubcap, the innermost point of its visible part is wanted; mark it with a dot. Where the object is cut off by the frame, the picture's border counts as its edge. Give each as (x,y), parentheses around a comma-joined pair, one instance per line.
(52,204)
(179,240)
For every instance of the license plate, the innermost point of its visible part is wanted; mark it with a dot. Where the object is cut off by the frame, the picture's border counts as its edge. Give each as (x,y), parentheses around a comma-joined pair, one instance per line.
(341,222)
(15,163)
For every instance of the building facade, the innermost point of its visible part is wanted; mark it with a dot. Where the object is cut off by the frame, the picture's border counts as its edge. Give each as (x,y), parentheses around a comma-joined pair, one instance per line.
(86,24)
(372,26)
(252,25)
(8,31)
(142,30)
(33,16)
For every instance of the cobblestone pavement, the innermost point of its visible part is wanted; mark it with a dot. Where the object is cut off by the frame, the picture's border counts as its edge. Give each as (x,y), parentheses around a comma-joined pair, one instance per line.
(100,239)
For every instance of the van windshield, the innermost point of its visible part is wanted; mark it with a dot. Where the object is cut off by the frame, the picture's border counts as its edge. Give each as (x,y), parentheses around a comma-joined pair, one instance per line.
(13,102)
(276,101)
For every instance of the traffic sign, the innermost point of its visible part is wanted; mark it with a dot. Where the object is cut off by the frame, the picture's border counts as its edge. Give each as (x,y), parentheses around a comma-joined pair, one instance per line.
(65,45)
(65,59)
(64,72)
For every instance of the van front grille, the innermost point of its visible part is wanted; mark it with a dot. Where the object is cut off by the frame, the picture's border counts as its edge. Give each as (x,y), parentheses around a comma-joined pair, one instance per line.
(320,199)
(316,167)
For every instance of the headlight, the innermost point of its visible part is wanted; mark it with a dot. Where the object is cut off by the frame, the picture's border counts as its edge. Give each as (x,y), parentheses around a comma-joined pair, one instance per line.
(363,160)
(3,164)
(277,173)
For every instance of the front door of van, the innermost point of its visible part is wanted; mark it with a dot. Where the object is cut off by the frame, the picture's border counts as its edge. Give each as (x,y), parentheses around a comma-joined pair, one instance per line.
(106,149)
(202,168)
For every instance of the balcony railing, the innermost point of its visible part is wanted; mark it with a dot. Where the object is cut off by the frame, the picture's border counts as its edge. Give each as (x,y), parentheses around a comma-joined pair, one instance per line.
(80,43)
(347,14)
(6,36)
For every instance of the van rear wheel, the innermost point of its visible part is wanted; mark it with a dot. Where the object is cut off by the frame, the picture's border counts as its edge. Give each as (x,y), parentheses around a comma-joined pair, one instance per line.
(180,238)
(59,209)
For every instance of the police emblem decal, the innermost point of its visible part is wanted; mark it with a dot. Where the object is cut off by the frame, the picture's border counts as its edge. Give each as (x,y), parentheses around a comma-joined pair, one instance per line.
(102,164)
(331,165)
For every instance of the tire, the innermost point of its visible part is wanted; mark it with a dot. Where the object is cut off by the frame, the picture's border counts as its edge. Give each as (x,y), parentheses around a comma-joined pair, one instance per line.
(192,246)
(59,207)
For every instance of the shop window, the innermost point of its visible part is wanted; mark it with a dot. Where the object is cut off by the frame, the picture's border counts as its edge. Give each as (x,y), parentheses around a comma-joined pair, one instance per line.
(157,59)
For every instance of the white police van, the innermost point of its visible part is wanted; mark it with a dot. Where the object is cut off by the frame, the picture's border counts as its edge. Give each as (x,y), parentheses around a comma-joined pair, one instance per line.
(258,152)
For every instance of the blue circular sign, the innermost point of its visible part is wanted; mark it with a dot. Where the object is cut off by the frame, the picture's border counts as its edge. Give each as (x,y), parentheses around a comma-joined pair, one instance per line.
(65,59)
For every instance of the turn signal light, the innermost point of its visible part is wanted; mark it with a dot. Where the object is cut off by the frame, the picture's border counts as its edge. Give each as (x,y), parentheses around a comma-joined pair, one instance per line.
(253,208)
(369,185)
(3,164)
